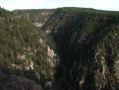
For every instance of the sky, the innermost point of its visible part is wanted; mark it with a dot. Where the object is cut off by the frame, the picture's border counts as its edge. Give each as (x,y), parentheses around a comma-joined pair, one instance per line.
(112,5)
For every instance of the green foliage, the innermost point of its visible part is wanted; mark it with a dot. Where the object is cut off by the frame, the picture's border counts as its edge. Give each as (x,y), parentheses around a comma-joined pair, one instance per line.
(34,15)
(83,39)
(20,46)
(79,34)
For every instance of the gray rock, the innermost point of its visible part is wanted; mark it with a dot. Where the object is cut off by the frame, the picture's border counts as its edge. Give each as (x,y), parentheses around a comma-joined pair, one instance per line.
(17,83)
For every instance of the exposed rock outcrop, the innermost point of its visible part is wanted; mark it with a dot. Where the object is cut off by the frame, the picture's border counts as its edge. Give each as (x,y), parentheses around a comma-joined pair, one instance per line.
(17,83)
(87,45)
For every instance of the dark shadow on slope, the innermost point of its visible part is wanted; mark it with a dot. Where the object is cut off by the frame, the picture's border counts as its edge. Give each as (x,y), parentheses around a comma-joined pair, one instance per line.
(76,53)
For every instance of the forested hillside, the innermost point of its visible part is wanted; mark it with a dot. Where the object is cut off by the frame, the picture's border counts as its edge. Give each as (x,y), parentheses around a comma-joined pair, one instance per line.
(87,43)
(24,50)
(59,49)
(36,16)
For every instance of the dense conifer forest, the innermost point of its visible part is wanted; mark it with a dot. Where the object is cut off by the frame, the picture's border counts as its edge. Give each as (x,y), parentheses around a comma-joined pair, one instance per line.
(60,49)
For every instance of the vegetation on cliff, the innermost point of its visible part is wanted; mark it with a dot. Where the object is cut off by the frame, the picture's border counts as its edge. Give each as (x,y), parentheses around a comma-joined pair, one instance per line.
(23,48)
(76,48)
(87,44)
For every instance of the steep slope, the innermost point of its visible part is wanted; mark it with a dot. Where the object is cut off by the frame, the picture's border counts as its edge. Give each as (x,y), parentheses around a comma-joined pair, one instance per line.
(25,51)
(85,41)
(87,44)
(37,16)
(17,83)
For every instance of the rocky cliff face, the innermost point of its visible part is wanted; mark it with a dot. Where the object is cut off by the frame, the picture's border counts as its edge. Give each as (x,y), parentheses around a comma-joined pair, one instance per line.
(26,52)
(17,83)
(62,49)
(87,46)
